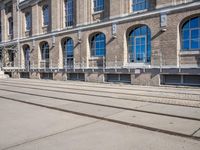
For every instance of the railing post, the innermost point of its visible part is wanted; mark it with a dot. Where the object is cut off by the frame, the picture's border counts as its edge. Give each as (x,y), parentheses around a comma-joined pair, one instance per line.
(92,65)
(83,64)
(74,64)
(58,65)
(115,63)
(161,62)
(45,65)
(179,63)
(103,63)
(33,66)
(50,66)
(144,61)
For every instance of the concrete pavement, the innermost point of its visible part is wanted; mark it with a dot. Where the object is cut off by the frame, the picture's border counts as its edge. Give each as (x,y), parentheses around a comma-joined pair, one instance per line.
(30,127)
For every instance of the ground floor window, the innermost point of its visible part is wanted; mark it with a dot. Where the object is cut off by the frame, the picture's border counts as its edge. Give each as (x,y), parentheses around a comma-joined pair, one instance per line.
(139,45)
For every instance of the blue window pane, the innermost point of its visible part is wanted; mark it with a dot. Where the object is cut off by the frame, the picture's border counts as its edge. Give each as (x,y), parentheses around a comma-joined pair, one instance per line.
(186,34)
(98,5)
(194,23)
(139,5)
(194,44)
(195,34)
(186,44)
(143,30)
(137,41)
(137,32)
(143,41)
(186,25)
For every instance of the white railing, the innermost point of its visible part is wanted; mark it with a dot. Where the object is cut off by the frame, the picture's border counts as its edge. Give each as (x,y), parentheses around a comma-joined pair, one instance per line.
(102,63)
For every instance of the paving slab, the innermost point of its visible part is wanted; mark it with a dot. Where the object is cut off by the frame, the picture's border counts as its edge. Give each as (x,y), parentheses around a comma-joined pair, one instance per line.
(170,109)
(83,98)
(179,125)
(35,99)
(197,133)
(108,136)
(99,111)
(102,91)
(20,123)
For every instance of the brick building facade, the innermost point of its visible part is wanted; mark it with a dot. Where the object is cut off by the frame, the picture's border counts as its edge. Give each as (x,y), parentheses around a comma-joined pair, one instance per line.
(145,42)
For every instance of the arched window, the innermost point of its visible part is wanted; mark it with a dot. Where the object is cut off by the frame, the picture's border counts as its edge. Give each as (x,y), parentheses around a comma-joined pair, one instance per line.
(26,55)
(69,13)
(190,34)
(45,51)
(10,25)
(139,45)
(68,51)
(138,5)
(28,21)
(98,5)
(98,45)
(45,10)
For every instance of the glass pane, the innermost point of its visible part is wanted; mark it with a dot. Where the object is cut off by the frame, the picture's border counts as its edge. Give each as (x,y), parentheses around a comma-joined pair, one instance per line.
(186,34)
(195,44)
(195,34)
(194,23)
(186,44)
(186,25)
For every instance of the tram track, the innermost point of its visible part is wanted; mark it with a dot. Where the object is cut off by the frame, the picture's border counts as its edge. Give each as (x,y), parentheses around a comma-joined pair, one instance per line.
(154,129)
(149,94)
(175,102)
(104,105)
(107,86)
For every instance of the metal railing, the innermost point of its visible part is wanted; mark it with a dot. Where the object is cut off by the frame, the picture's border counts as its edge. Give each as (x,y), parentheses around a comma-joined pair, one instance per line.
(157,61)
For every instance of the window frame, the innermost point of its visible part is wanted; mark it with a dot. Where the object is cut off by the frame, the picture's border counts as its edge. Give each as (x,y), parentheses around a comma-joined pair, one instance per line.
(45,51)
(94,49)
(131,43)
(28,21)
(133,4)
(10,26)
(97,6)
(69,13)
(190,39)
(45,15)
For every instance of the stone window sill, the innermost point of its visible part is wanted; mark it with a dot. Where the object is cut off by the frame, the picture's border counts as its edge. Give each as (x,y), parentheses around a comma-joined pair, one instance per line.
(97,12)
(194,52)
(139,11)
(96,58)
(45,26)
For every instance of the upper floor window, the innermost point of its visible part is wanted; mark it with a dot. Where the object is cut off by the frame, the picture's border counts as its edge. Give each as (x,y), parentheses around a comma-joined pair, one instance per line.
(10,26)
(98,5)
(98,45)
(138,5)
(190,34)
(68,13)
(45,10)
(28,21)
(8,7)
